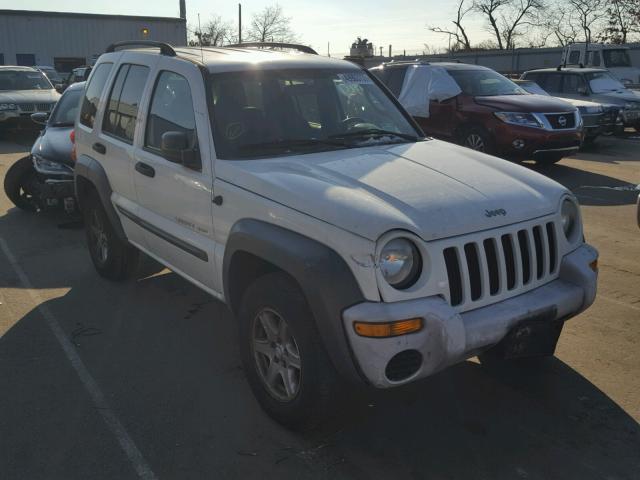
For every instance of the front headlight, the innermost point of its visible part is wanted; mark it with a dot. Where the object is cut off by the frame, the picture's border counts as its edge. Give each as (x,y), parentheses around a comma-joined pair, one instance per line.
(8,106)
(591,109)
(400,263)
(519,118)
(570,220)
(626,81)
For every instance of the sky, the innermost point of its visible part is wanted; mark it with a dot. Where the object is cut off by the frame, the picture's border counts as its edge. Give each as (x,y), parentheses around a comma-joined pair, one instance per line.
(401,23)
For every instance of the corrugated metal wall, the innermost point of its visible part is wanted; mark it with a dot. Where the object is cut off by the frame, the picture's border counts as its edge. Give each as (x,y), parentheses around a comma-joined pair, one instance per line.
(68,36)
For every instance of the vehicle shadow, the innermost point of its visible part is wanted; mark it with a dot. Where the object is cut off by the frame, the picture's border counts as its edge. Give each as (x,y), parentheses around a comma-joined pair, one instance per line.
(165,355)
(592,188)
(17,141)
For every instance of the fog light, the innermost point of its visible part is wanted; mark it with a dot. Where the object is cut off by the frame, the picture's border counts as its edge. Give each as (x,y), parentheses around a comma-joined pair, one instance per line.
(594,265)
(518,144)
(388,329)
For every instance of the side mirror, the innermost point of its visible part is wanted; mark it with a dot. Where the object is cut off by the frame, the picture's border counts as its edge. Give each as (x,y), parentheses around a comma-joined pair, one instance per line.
(59,87)
(175,148)
(40,118)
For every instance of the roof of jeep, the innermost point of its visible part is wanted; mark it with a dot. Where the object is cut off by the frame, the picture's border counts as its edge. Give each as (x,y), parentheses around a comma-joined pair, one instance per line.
(221,59)
(568,70)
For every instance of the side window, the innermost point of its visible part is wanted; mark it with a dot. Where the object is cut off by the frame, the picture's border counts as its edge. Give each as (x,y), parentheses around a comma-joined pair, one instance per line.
(92,94)
(122,107)
(553,83)
(572,83)
(171,111)
(574,57)
(396,79)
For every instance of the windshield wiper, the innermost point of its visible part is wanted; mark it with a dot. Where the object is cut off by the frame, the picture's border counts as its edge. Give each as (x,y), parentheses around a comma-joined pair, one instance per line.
(292,143)
(370,132)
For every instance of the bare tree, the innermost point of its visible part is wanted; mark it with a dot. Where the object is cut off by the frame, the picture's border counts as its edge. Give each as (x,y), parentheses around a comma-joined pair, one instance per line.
(459,33)
(216,32)
(587,15)
(559,23)
(491,9)
(507,17)
(271,25)
(623,17)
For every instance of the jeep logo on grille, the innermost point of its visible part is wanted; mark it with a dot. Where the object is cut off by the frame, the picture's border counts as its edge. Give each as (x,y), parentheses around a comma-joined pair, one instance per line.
(493,213)
(562,121)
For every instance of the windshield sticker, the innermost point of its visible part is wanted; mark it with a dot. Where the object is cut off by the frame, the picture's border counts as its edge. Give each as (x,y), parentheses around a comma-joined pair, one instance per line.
(359,78)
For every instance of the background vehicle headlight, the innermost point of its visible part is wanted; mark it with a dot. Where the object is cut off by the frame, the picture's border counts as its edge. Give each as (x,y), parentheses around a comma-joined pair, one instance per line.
(400,263)
(8,106)
(519,118)
(570,219)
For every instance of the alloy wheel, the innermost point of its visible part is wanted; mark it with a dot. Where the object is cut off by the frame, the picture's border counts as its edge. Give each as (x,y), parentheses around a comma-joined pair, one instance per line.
(475,142)
(276,355)
(99,241)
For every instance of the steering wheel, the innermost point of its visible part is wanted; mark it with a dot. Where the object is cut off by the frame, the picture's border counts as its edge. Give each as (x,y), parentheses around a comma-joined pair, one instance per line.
(351,122)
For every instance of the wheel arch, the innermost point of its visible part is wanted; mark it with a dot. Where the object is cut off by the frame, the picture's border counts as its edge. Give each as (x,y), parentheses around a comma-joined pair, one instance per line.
(255,248)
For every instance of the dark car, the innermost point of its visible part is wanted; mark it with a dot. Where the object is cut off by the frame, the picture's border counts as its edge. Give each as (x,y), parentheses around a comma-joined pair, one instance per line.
(79,74)
(593,84)
(45,177)
(492,114)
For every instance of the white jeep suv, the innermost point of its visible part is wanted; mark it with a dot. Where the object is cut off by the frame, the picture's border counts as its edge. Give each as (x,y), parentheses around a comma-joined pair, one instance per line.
(349,247)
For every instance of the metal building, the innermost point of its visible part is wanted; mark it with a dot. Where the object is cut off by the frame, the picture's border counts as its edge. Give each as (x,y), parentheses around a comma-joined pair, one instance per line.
(69,40)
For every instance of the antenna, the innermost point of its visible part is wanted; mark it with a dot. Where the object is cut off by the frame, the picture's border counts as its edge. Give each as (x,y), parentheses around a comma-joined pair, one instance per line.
(200,39)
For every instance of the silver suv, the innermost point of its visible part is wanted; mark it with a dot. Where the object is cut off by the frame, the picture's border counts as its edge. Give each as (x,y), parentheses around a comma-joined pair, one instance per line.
(349,247)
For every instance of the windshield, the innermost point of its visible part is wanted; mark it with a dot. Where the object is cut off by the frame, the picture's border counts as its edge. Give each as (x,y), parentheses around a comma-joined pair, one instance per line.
(484,83)
(23,80)
(602,82)
(616,58)
(533,87)
(66,110)
(265,113)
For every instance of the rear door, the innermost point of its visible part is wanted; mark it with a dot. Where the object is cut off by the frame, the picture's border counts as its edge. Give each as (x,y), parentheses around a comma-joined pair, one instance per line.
(174,200)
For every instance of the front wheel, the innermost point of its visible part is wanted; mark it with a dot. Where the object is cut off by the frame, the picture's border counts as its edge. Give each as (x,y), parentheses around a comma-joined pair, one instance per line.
(113,258)
(284,361)
(20,185)
(478,139)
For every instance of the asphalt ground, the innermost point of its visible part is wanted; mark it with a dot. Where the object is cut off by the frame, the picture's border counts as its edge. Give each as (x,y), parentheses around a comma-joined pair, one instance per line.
(143,379)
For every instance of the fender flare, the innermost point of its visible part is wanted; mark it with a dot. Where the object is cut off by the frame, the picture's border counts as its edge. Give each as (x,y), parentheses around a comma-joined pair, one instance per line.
(91,171)
(325,279)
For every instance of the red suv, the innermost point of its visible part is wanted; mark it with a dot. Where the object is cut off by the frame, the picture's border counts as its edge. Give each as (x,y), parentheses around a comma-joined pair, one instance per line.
(488,112)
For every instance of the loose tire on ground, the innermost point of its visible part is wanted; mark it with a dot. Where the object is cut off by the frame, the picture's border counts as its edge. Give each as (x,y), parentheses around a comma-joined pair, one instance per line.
(314,386)
(16,184)
(112,258)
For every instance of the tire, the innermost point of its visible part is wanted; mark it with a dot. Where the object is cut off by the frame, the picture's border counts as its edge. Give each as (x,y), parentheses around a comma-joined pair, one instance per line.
(18,185)
(112,258)
(313,387)
(477,138)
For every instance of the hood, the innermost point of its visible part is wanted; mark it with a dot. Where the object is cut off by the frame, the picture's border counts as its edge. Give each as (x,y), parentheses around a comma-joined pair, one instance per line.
(29,96)
(432,188)
(54,144)
(581,103)
(525,103)
(624,95)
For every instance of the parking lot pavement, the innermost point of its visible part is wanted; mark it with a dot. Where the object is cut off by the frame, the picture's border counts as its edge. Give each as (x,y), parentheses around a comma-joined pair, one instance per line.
(163,356)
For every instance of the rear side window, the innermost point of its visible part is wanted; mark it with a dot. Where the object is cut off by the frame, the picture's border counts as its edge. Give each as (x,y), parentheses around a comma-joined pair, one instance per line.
(571,83)
(92,94)
(553,83)
(122,108)
(395,80)
(171,111)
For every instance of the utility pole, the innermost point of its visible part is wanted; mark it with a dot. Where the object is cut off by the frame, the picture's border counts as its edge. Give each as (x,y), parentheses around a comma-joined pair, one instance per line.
(389,51)
(239,23)
(380,50)
(328,49)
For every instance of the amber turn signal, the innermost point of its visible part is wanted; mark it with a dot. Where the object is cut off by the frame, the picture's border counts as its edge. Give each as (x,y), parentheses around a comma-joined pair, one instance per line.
(594,265)
(389,329)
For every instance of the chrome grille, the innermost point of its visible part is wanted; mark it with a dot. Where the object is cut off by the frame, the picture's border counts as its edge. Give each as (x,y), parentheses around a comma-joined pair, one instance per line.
(499,265)
(35,107)
(559,121)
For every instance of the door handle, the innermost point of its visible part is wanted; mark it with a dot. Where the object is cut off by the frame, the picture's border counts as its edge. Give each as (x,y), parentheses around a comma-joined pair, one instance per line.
(146,170)
(100,148)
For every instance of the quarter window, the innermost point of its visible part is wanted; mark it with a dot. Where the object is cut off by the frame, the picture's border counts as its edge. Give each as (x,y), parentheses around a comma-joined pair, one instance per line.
(92,94)
(396,79)
(171,111)
(122,108)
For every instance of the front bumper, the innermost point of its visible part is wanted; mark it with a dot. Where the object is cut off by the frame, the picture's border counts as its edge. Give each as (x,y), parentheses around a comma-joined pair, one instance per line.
(631,118)
(449,337)
(535,140)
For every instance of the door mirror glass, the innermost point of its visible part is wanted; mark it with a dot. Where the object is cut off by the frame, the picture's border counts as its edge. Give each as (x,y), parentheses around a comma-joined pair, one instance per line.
(175,148)
(40,118)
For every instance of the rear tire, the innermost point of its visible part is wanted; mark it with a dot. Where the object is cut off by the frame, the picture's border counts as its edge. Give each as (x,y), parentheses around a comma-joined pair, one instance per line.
(285,363)
(18,185)
(112,258)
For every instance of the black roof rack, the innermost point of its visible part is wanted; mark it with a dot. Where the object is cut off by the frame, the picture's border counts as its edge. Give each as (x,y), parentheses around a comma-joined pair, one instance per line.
(165,48)
(293,46)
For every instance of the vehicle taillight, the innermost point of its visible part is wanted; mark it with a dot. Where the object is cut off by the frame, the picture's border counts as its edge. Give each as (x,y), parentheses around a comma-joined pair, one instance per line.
(72,137)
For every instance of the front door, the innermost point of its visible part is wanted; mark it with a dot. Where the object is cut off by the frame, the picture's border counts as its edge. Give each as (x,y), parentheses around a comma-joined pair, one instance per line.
(440,118)
(174,199)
